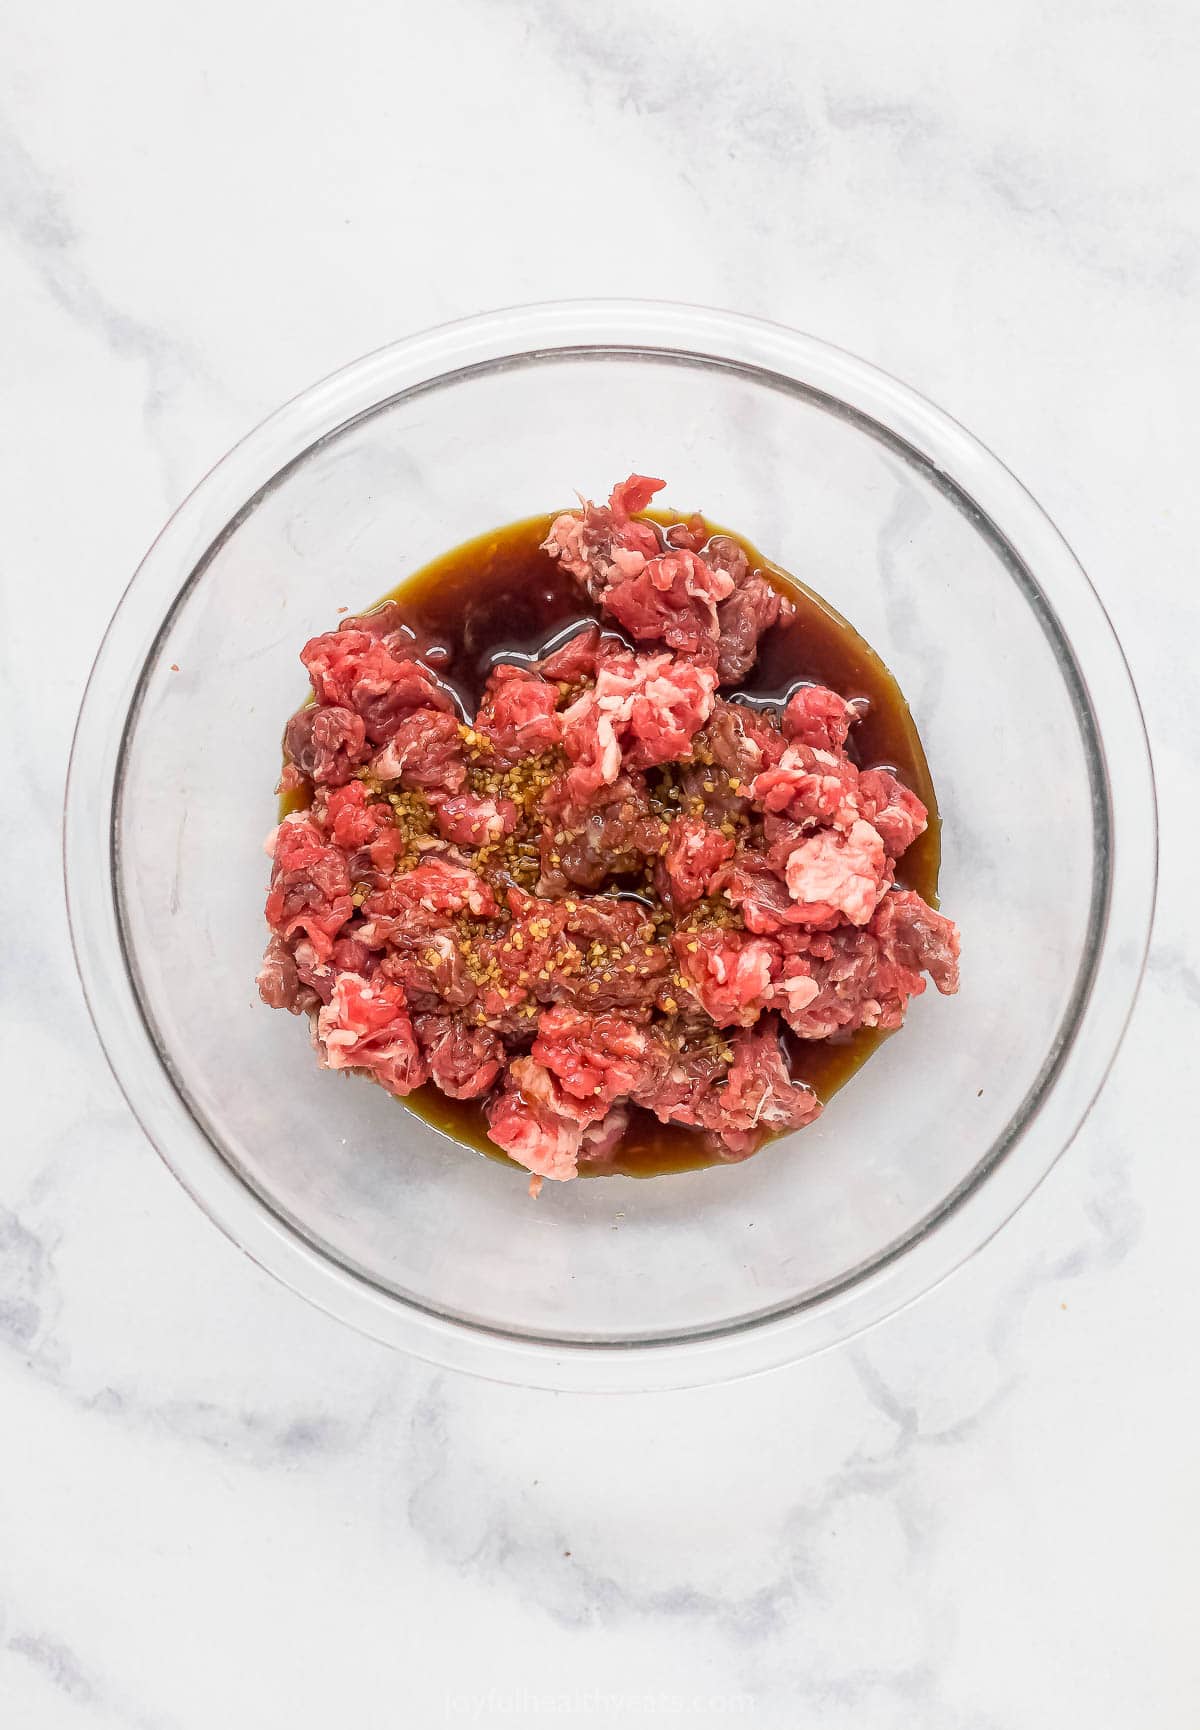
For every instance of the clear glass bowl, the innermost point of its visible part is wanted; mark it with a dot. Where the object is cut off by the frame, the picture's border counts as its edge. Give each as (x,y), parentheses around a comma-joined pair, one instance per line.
(909,527)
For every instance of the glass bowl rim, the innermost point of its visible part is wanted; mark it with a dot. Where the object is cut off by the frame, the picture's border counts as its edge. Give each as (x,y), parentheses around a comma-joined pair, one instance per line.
(1123,799)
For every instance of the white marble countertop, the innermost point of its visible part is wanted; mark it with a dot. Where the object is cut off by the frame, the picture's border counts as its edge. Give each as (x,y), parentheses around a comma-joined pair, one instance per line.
(218,1507)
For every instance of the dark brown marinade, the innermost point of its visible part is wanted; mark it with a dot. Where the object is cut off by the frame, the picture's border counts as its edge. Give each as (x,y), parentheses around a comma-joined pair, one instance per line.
(500,598)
